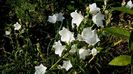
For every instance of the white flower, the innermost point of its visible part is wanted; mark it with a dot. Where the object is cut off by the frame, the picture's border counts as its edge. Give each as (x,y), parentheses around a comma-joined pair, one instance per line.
(66,35)
(129,4)
(94,9)
(40,69)
(89,36)
(60,17)
(56,17)
(83,53)
(98,19)
(7,32)
(67,65)
(76,18)
(52,19)
(94,51)
(58,48)
(17,26)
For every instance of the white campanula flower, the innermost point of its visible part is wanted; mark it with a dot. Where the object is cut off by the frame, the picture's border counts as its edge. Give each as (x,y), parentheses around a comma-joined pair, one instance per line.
(58,48)
(66,35)
(94,51)
(17,26)
(129,4)
(89,36)
(7,32)
(94,9)
(67,65)
(40,69)
(60,17)
(52,19)
(76,18)
(83,53)
(98,19)
(56,17)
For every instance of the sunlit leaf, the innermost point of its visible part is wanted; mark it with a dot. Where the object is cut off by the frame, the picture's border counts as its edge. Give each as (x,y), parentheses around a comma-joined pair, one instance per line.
(119,32)
(121,60)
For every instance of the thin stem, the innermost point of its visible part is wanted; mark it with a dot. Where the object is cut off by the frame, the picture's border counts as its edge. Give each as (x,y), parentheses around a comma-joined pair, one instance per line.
(90,60)
(58,61)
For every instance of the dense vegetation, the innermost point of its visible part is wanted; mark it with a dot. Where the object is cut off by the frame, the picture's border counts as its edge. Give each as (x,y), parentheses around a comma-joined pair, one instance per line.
(36,39)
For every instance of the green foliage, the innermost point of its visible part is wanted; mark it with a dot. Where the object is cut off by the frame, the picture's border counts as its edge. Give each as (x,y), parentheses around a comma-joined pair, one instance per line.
(123,9)
(118,32)
(131,49)
(131,42)
(22,50)
(122,60)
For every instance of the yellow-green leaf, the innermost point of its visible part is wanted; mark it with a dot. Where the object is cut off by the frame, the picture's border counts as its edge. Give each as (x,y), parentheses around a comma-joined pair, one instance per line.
(121,60)
(119,32)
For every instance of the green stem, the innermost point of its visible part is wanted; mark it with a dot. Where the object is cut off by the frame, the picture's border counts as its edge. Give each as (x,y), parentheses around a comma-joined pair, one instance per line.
(90,60)
(54,38)
(131,62)
(59,61)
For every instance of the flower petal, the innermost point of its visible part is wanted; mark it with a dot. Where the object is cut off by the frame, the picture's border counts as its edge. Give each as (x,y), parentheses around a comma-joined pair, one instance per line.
(52,19)
(89,36)
(93,8)
(98,19)
(76,18)
(66,35)
(17,26)
(40,69)
(67,65)
(58,48)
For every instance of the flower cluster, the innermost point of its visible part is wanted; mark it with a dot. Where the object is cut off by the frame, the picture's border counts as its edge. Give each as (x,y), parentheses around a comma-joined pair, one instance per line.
(97,17)
(56,17)
(88,35)
(16,26)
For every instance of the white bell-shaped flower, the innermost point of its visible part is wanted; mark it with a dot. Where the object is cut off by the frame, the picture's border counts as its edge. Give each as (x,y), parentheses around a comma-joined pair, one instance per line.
(66,35)
(76,18)
(129,4)
(98,19)
(60,17)
(52,19)
(67,65)
(40,69)
(7,32)
(17,26)
(58,48)
(89,36)
(94,51)
(83,53)
(94,9)
(56,17)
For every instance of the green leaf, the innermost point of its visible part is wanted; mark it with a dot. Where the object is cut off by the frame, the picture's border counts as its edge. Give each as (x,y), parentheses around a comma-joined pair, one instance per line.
(131,49)
(123,9)
(119,32)
(121,60)
(131,41)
